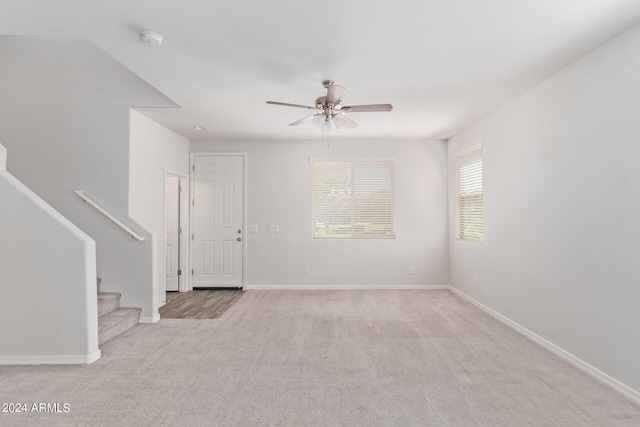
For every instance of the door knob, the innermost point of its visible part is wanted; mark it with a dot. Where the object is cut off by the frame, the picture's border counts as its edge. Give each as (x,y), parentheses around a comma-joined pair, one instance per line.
(239,231)
(239,239)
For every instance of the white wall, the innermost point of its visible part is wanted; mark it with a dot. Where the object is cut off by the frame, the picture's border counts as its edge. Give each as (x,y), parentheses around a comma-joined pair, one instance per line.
(64,117)
(279,193)
(561,179)
(154,150)
(48,309)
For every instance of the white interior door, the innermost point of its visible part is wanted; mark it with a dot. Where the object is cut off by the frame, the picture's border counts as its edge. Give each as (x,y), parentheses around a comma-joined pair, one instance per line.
(172,233)
(218,209)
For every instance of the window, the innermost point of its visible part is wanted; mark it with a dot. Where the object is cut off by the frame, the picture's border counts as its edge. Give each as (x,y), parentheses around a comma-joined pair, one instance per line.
(353,199)
(469,221)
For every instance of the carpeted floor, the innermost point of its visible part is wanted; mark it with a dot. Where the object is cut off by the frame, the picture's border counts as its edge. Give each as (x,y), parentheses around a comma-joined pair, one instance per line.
(327,358)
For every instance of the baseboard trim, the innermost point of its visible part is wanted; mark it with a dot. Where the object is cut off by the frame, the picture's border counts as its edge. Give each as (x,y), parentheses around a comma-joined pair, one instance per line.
(94,356)
(344,287)
(622,388)
(51,360)
(153,319)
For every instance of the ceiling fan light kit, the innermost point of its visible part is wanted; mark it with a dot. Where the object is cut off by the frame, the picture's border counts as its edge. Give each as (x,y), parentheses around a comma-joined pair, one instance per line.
(331,109)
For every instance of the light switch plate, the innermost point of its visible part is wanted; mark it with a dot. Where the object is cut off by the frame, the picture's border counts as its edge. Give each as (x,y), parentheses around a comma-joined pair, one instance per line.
(253,229)
(274,229)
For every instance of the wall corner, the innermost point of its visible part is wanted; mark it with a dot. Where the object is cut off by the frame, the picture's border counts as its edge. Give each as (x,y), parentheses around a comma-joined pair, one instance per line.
(3,158)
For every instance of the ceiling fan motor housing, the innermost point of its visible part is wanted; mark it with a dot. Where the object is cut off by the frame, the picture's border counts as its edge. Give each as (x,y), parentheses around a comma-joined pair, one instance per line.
(321,104)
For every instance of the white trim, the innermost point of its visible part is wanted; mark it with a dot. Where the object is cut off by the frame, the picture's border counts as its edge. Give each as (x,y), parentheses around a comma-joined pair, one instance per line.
(468,150)
(3,158)
(624,389)
(346,287)
(175,172)
(352,159)
(153,319)
(183,283)
(51,360)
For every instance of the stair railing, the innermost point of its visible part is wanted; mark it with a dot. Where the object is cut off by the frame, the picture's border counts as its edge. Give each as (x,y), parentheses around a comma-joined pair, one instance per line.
(115,220)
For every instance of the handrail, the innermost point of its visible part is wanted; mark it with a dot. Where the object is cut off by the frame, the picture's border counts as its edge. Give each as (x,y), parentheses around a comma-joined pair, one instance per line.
(99,208)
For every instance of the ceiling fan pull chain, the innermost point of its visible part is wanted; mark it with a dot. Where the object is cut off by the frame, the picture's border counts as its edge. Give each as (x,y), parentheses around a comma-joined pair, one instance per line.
(326,133)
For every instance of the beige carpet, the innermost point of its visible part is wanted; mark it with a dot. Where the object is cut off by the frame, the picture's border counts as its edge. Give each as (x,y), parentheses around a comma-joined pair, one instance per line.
(328,358)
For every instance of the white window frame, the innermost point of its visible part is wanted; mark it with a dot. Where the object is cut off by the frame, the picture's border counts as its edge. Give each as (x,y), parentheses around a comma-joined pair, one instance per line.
(374,221)
(469,195)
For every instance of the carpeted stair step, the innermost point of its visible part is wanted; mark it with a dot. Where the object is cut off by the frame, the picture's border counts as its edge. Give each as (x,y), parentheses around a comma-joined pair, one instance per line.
(108,302)
(116,322)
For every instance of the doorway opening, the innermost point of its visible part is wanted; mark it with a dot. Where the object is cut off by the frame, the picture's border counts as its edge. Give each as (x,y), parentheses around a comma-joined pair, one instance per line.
(175,235)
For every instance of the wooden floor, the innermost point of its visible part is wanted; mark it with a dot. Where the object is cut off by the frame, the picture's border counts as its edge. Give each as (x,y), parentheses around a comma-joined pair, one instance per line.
(199,304)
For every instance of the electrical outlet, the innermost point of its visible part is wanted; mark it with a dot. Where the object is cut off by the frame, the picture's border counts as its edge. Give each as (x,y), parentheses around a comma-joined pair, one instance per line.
(306,270)
(475,281)
(412,270)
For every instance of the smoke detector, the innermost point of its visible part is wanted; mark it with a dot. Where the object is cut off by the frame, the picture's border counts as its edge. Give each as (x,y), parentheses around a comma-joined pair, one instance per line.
(151,38)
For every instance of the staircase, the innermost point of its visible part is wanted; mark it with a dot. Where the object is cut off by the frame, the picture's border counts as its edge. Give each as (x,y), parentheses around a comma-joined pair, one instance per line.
(113,319)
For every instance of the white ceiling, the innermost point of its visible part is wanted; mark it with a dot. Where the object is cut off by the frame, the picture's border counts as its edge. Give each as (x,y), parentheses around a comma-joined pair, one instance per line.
(441,63)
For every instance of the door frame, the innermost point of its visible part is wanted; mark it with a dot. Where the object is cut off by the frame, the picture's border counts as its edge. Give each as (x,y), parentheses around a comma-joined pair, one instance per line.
(192,163)
(184,248)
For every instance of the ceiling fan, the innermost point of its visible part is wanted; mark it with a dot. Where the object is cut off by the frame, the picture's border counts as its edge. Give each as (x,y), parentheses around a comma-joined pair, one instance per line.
(330,108)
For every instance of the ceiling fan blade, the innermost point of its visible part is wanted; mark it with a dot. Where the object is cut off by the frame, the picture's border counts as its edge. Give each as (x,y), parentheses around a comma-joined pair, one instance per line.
(368,108)
(334,93)
(297,122)
(290,105)
(343,120)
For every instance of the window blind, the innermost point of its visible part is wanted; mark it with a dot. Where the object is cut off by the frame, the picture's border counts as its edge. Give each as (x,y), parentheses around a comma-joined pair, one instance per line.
(353,199)
(470,220)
